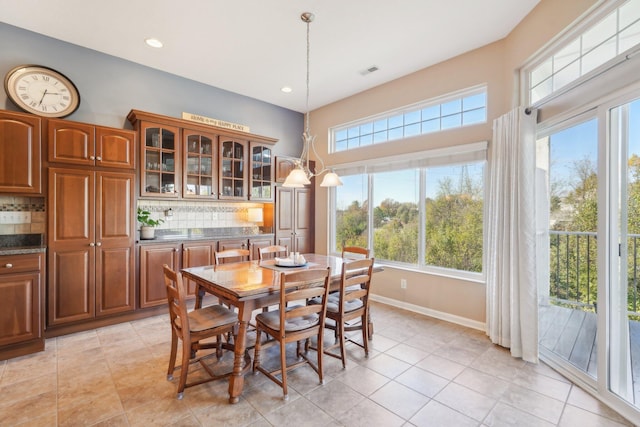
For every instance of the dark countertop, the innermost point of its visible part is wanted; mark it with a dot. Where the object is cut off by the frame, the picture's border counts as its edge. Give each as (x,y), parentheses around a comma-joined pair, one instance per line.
(190,235)
(21,251)
(17,244)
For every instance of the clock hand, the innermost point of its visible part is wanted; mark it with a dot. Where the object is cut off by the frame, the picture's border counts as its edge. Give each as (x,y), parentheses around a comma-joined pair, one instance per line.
(43,95)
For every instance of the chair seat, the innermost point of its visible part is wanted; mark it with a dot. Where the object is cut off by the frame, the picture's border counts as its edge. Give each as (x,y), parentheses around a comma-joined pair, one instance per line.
(271,319)
(333,304)
(213,316)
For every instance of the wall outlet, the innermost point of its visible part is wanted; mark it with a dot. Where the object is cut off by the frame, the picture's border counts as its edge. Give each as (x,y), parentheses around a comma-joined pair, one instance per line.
(403,283)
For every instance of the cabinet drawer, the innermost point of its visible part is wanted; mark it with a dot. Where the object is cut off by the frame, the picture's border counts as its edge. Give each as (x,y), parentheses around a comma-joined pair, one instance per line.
(19,263)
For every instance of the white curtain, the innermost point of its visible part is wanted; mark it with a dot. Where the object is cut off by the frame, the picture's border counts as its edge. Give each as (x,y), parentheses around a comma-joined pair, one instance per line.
(510,249)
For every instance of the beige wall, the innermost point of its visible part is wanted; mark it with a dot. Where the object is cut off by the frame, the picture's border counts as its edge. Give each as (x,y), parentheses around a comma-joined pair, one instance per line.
(496,66)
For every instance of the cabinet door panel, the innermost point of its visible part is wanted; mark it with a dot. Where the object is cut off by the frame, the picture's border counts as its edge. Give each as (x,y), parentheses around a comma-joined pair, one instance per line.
(197,255)
(115,148)
(284,210)
(71,195)
(114,208)
(71,142)
(71,285)
(256,244)
(20,316)
(20,149)
(160,161)
(152,287)
(115,287)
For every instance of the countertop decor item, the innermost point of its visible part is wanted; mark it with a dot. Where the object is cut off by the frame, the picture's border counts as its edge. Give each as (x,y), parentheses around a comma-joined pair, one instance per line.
(148,224)
(42,91)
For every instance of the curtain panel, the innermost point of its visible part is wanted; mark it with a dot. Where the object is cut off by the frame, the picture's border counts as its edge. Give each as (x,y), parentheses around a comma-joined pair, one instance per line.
(510,247)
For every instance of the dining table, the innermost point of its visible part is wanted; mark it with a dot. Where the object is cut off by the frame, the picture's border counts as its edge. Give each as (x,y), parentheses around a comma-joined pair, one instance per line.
(248,286)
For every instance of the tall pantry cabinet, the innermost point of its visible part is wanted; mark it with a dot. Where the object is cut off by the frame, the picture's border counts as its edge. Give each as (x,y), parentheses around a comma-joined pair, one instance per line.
(91,235)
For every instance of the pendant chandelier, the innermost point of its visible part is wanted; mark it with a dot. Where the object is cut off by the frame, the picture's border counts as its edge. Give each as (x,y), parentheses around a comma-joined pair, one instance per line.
(301,175)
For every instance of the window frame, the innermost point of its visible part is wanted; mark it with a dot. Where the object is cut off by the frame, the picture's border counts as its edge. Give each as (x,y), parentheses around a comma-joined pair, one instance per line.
(594,16)
(450,156)
(375,121)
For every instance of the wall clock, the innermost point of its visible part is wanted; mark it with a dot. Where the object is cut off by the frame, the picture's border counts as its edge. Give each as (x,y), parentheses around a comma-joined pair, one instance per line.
(42,91)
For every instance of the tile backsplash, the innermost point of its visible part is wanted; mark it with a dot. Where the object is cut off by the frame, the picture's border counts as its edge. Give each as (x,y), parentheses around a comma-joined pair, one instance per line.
(32,207)
(200,214)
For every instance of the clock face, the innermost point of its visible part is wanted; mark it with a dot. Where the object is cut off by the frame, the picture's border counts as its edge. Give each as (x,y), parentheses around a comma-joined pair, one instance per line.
(42,91)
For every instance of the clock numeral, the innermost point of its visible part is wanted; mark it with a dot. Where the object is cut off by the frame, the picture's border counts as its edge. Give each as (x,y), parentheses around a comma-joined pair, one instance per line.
(43,107)
(22,88)
(66,97)
(33,104)
(54,108)
(63,105)
(64,90)
(24,96)
(45,78)
(34,77)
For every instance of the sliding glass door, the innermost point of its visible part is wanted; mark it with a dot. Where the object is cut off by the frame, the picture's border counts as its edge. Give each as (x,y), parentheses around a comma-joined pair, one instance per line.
(568,156)
(624,251)
(589,173)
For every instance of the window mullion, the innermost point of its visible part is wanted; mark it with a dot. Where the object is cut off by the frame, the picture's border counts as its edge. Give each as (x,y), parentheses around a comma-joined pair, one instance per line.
(422,214)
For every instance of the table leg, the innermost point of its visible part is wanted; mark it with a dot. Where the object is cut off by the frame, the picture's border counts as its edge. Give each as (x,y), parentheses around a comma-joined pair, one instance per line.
(236,381)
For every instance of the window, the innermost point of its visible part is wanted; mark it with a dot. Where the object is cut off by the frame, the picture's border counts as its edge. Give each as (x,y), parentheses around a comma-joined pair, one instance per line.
(464,108)
(603,41)
(454,204)
(426,211)
(395,215)
(351,214)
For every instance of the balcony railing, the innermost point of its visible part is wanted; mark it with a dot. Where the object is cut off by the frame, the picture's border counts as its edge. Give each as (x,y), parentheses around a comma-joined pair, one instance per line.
(573,270)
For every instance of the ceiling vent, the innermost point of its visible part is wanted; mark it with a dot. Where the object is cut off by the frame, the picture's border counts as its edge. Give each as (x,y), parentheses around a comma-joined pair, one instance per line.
(369,70)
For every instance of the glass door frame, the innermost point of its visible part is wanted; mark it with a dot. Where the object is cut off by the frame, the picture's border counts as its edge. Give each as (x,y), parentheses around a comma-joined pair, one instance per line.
(608,230)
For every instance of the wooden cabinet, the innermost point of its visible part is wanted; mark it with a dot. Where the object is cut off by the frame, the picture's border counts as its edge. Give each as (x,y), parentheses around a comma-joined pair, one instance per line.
(196,254)
(181,158)
(261,170)
(85,144)
(256,243)
(294,221)
(284,165)
(152,258)
(160,160)
(22,296)
(200,165)
(227,244)
(232,168)
(91,243)
(20,150)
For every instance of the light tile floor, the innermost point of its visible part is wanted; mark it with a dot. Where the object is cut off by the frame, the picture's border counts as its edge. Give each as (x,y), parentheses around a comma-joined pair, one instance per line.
(420,372)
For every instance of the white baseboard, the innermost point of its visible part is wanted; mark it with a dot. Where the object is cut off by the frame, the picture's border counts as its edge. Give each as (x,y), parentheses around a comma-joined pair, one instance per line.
(474,324)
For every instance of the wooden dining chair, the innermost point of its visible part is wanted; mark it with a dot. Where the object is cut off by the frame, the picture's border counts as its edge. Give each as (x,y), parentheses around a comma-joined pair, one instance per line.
(272,251)
(355,252)
(232,255)
(351,302)
(191,327)
(295,323)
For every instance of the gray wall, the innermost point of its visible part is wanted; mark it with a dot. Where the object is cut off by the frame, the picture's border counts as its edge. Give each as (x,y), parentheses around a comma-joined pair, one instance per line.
(110,87)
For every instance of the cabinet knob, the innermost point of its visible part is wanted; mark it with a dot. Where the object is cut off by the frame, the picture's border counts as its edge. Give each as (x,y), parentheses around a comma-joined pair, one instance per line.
(99,244)
(92,244)
(92,158)
(8,265)
(99,158)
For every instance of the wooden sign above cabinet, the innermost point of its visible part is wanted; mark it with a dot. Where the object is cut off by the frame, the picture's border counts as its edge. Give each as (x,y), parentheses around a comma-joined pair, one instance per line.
(186,159)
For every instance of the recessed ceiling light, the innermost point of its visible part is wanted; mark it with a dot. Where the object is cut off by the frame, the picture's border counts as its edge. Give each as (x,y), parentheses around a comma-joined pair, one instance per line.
(286,89)
(153,42)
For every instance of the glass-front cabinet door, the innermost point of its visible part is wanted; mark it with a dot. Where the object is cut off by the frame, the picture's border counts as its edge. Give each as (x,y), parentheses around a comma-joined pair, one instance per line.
(232,170)
(200,174)
(261,172)
(160,156)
